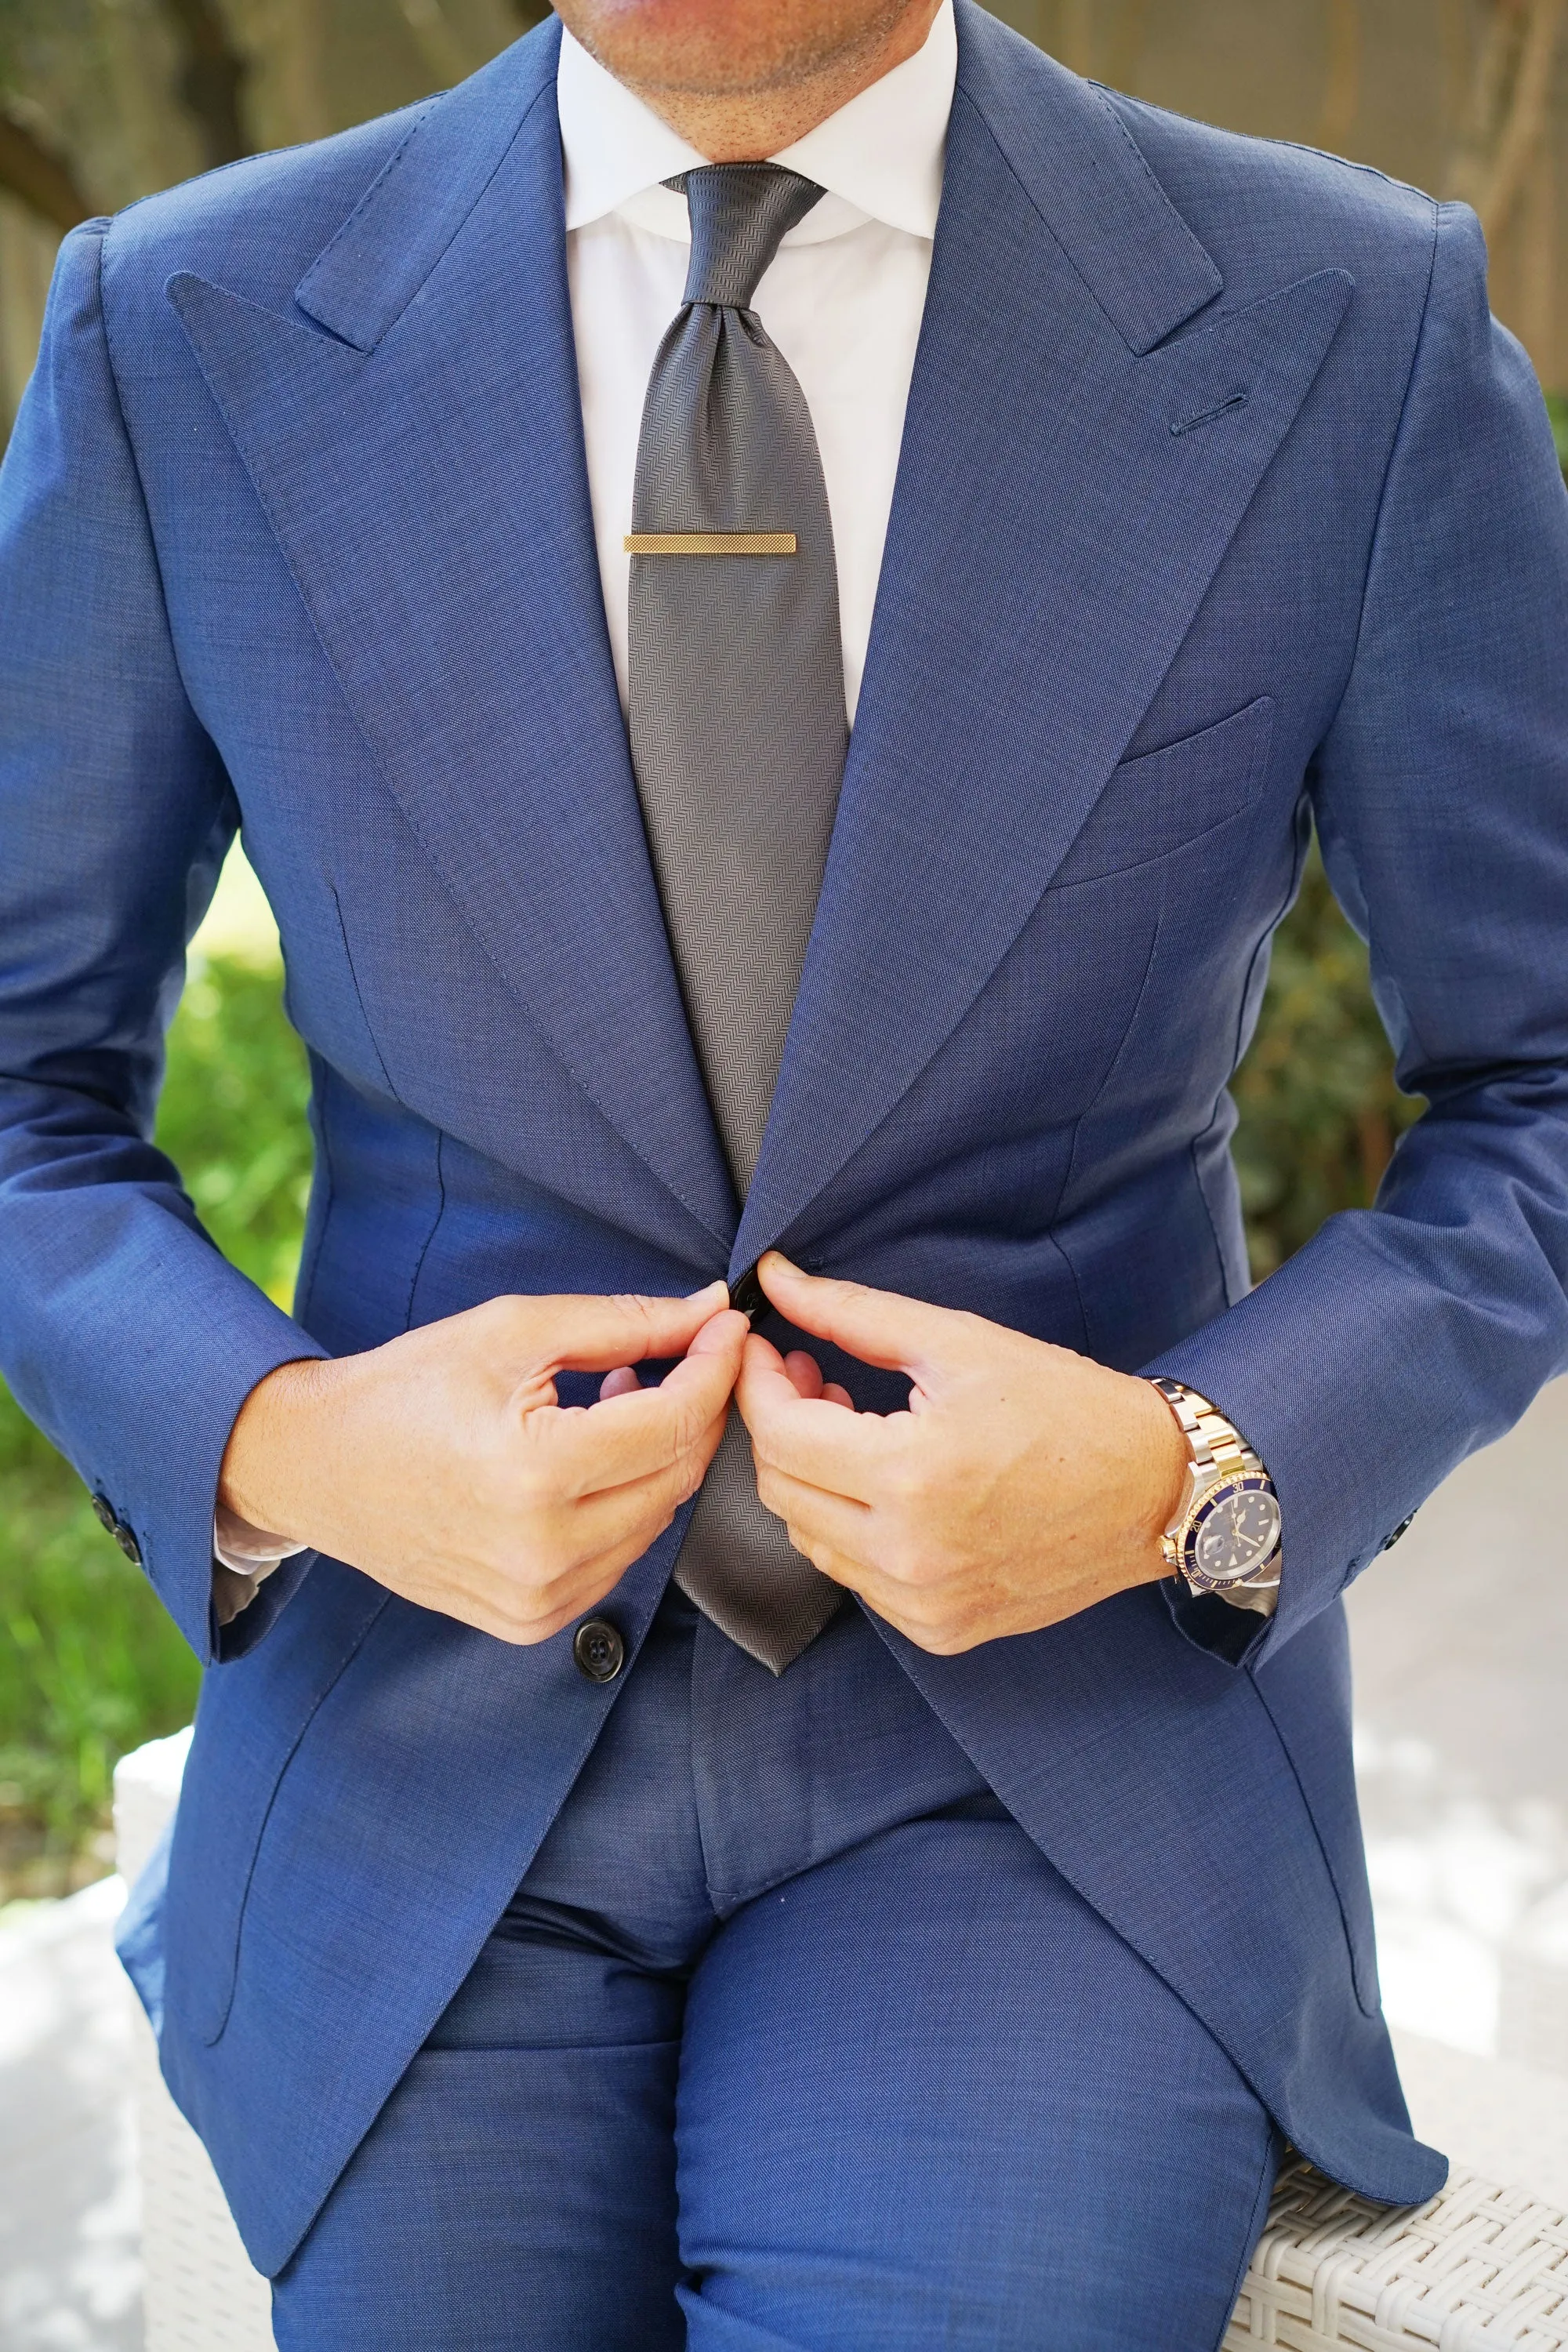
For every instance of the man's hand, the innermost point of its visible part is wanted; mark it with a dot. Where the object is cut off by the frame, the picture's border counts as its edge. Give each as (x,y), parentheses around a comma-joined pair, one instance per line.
(442,1465)
(1023,1485)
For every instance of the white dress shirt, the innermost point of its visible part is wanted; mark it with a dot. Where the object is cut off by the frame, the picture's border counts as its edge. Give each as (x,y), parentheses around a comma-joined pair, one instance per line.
(842,299)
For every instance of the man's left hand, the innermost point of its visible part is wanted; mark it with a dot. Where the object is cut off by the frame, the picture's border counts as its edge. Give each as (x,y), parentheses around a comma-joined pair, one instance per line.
(1021,1485)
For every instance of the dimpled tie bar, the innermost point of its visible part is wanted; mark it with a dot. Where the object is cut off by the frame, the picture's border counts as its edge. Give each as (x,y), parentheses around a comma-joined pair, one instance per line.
(736,710)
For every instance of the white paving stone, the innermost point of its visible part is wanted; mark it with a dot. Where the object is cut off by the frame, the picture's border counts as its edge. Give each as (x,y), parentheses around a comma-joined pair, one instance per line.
(1460,1643)
(70,2265)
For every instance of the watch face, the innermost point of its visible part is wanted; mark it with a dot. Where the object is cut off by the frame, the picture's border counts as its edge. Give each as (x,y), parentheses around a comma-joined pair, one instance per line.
(1235,1534)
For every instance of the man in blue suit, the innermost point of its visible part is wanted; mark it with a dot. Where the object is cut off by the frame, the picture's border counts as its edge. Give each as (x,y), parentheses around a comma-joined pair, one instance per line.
(895,1883)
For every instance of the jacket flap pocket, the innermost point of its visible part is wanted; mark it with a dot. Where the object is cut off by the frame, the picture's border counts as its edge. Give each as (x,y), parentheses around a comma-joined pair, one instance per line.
(1167,798)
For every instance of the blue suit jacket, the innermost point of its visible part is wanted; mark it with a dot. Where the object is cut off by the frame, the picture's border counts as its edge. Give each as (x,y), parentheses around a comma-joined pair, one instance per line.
(1221,501)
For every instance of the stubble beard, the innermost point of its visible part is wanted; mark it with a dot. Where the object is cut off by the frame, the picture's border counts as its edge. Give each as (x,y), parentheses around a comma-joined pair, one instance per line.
(679,50)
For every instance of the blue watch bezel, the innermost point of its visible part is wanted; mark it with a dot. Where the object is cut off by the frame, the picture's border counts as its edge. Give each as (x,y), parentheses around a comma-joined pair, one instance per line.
(1252,1481)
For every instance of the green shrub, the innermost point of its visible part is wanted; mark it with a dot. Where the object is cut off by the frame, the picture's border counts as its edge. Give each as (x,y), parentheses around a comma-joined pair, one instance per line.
(1319,1111)
(1557,403)
(232,1119)
(89,1665)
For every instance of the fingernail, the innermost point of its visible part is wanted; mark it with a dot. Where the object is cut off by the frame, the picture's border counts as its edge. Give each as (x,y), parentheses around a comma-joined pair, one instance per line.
(707,1292)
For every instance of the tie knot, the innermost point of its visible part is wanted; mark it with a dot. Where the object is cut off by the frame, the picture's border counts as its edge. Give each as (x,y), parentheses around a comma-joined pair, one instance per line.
(739,213)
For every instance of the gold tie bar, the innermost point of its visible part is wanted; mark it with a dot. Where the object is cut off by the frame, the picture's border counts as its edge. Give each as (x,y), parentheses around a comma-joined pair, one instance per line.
(712,542)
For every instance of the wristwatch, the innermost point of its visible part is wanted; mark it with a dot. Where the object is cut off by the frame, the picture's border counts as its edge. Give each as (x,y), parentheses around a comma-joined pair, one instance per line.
(1225,1536)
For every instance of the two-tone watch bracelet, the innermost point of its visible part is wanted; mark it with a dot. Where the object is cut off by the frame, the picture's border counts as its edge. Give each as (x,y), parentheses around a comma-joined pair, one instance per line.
(1219,1456)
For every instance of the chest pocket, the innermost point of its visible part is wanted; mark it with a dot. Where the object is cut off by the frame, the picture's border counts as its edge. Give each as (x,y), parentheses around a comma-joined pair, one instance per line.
(1171,797)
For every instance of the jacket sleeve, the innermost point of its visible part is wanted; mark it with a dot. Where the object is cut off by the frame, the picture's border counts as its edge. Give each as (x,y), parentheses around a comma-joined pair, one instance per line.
(1404,1337)
(124,1332)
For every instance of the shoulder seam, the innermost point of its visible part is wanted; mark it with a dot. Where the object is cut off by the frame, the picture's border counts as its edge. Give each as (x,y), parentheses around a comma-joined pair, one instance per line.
(1257,139)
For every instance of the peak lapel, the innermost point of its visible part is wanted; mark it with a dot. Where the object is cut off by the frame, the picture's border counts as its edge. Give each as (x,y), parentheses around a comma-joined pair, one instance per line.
(421,463)
(1058,517)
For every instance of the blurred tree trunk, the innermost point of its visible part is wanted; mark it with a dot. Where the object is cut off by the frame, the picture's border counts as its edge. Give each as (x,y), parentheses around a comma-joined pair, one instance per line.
(1341,89)
(1454,27)
(1501,140)
(28,244)
(1075,35)
(212,80)
(1539,236)
(446,56)
(1127,41)
(287,39)
(1102,38)
(34,172)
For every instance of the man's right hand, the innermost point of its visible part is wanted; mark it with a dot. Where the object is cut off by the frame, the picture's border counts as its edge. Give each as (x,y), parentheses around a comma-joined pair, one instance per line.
(442,1465)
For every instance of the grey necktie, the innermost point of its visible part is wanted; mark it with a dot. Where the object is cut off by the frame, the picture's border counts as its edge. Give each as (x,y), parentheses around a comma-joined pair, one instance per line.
(737,732)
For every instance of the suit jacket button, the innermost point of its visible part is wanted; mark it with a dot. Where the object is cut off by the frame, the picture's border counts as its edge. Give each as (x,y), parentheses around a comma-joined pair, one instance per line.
(128,1543)
(104,1512)
(599,1650)
(748,1297)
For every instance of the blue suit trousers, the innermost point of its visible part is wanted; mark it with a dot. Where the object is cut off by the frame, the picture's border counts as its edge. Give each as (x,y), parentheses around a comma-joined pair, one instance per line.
(791,2037)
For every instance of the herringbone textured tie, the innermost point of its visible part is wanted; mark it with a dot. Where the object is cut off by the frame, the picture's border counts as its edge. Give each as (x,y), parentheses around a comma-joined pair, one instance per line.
(738,733)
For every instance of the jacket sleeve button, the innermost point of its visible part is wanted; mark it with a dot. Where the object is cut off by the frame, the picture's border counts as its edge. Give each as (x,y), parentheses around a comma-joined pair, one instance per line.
(103,1511)
(127,1544)
(599,1650)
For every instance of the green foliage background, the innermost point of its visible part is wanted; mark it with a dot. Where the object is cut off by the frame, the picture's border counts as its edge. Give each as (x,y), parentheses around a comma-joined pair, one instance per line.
(1319,1113)
(88,1664)
(1558,404)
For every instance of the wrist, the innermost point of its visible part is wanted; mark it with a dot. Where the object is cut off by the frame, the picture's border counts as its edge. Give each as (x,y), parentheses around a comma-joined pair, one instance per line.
(1165,1466)
(264,1478)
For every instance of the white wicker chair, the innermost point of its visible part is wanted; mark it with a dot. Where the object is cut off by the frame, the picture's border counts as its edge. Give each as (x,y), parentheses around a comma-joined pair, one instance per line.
(1480,2269)
(200,2293)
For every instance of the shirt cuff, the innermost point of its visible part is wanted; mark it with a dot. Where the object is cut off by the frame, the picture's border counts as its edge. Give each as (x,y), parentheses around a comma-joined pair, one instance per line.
(243,1556)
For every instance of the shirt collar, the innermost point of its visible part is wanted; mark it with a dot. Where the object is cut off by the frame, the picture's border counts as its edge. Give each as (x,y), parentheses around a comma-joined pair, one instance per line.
(879,158)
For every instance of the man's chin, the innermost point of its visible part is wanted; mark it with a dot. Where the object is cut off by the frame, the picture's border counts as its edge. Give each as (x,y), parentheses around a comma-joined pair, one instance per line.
(728,49)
